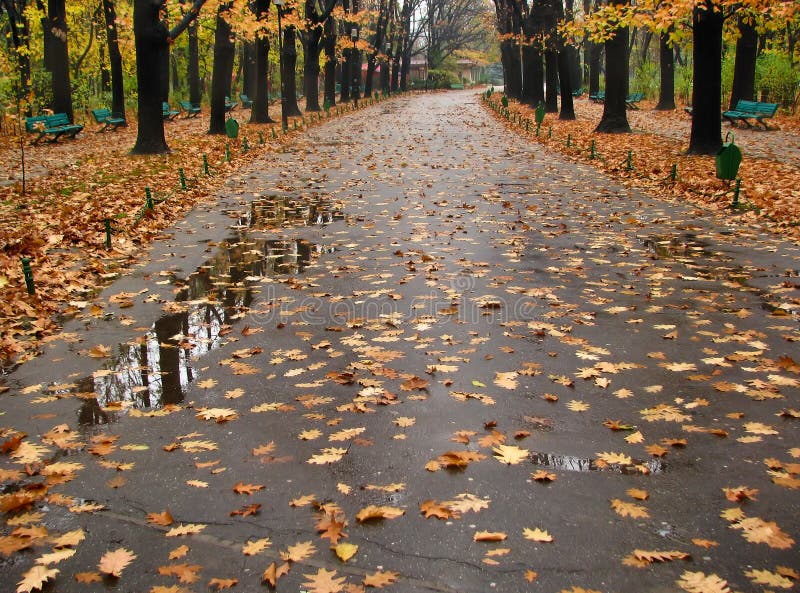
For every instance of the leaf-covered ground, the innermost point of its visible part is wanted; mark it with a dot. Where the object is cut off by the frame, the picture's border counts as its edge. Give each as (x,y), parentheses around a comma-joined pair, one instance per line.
(73,186)
(770,171)
(421,358)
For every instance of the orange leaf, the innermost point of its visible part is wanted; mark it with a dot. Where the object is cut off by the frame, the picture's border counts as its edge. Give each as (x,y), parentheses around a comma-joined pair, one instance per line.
(380,579)
(222,583)
(113,563)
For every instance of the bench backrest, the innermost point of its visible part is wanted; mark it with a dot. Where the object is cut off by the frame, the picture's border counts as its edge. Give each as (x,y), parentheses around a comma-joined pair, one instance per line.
(165,107)
(756,107)
(55,120)
(186,105)
(101,114)
(636,97)
(35,123)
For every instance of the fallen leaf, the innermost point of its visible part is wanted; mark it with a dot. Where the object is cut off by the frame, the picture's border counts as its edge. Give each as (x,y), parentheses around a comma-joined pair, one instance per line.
(114,562)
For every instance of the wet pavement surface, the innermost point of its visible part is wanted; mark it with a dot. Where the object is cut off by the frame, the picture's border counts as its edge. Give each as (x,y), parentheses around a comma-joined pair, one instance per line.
(409,331)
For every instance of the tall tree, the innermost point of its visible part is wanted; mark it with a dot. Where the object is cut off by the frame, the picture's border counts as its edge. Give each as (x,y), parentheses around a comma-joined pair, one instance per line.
(193,64)
(19,32)
(744,68)
(706,134)
(532,56)
(564,64)
(288,75)
(666,60)
(260,110)
(115,60)
(152,41)
(316,15)
(224,54)
(509,27)
(615,116)
(451,25)
(329,47)
(56,56)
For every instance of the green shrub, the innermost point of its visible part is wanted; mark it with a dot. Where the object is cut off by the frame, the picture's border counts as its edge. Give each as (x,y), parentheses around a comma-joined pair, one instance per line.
(646,80)
(683,83)
(441,79)
(776,79)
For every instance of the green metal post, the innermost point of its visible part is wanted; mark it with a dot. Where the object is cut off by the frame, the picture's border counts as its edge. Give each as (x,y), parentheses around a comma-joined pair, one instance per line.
(148,199)
(108,233)
(593,152)
(736,190)
(538,125)
(28,273)
(569,140)
(550,132)
(274,133)
(673,174)
(260,138)
(227,153)
(205,165)
(182,176)
(629,161)
(245,145)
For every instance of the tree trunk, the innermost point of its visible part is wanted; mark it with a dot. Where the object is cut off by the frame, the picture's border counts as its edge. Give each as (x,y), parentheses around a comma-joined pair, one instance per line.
(249,68)
(193,66)
(615,116)
(289,70)
(744,69)
(313,39)
(151,44)
(329,46)
(114,60)
(533,75)
(666,94)
(57,62)
(551,73)
(224,54)
(259,114)
(595,53)
(706,135)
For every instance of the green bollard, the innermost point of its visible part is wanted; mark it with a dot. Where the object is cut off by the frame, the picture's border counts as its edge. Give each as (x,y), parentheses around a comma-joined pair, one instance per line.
(569,140)
(673,174)
(538,126)
(274,133)
(182,177)
(205,165)
(260,138)
(107,222)
(629,161)
(148,200)
(592,152)
(550,132)
(245,145)
(227,153)
(28,273)
(736,190)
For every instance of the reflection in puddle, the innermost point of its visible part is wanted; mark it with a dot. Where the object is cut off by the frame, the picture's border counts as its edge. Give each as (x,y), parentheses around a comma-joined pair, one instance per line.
(585,464)
(686,246)
(282,211)
(157,369)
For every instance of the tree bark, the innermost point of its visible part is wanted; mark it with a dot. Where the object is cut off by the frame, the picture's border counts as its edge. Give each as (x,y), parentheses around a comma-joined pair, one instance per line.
(666,58)
(313,47)
(19,30)
(744,69)
(289,70)
(151,40)
(706,134)
(224,54)
(329,46)
(551,74)
(259,113)
(114,60)
(595,53)
(615,116)
(57,62)
(193,65)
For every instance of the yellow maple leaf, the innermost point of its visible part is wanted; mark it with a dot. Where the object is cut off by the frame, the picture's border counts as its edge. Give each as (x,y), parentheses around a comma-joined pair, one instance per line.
(188,529)
(628,509)
(207,384)
(35,578)
(373,512)
(537,535)
(114,562)
(257,546)
(510,454)
(345,551)
(324,581)
(577,406)
(299,552)
(698,582)
(615,458)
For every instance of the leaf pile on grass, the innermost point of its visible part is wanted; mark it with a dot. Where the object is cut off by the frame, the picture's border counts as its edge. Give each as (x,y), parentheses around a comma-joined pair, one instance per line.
(73,186)
(770,174)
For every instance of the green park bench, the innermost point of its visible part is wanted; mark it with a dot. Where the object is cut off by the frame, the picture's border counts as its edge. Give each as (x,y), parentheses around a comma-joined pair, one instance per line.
(578,92)
(107,119)
(598,97)
(247,102)
(189,108)
(168,112)
(457,86)
(55,125)
(746,110)
(632,100)
(229,105)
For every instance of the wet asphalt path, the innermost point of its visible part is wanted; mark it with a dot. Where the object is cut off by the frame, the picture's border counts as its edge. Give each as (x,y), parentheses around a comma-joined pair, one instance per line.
(410,306)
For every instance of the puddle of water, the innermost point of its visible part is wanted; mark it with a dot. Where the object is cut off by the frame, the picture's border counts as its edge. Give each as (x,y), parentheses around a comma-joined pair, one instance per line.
(282,211)
(586,464)
(684,247)
(158,368)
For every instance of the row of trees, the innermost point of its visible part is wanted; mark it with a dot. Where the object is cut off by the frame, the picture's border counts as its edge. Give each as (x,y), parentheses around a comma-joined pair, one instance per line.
(540,41)
(336,37)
